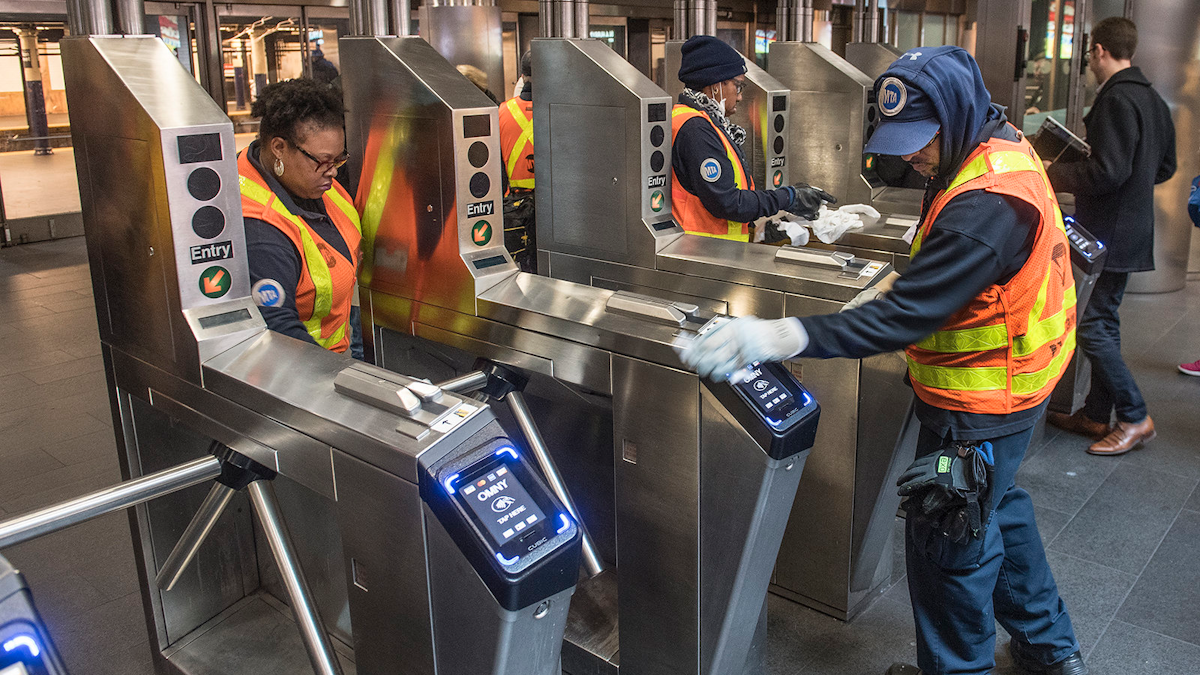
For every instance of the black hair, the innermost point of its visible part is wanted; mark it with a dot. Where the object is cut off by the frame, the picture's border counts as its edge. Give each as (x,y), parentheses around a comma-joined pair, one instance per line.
(1118,35)
(284,106)
(527,63)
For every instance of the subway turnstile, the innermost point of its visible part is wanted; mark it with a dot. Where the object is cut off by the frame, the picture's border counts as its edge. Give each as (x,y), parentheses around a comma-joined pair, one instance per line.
(361,520)
(683,486)
(834,552)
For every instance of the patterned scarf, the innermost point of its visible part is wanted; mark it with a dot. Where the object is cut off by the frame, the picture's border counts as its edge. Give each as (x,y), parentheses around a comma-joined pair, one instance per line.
(703,102)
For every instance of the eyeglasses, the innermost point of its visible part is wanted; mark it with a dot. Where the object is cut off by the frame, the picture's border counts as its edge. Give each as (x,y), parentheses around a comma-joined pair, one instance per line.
(740,84)
(326,164)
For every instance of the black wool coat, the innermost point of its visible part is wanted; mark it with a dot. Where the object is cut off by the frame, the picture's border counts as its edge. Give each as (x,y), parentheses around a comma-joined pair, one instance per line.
(1133,148)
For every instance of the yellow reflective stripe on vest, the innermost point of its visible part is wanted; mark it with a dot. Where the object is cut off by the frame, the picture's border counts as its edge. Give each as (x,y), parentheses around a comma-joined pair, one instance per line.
(318,270)
(518,150)
(734,235)
(1029,383)
(1004,161)
(1041,332)
(959,379)
(345,207)
(977,339)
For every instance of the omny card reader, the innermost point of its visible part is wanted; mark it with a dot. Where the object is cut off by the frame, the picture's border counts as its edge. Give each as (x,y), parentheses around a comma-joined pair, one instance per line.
(770,403)
(524,544)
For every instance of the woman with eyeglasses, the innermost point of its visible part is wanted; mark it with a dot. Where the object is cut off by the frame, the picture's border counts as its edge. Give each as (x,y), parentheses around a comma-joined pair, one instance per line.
(302,230)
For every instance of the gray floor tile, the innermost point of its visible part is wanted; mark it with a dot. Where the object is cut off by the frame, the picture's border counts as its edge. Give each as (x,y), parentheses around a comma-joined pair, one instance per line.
(35,427)
(91,364)
(1062,476)
(801,640)
(1049,522)
(1126,649)
(1193,504)
(59,484)
(1092,593)
(97,445)
(10,364)
(1166,598)
(102,639)
(1124,521)
(25,464)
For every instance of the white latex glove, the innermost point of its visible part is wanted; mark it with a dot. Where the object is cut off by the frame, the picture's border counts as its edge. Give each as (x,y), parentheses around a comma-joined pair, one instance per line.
(731,346)
(864,296)
(873,293)
(519,87)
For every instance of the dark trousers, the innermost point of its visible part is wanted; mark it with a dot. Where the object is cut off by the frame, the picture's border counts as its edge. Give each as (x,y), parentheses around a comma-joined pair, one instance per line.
(957,589)
(1099,338)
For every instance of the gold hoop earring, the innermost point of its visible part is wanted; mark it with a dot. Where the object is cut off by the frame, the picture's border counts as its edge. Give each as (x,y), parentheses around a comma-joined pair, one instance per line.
(278,167)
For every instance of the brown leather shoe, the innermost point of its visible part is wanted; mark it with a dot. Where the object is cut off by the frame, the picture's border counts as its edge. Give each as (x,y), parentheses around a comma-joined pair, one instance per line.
(1125,437)
(1078,423)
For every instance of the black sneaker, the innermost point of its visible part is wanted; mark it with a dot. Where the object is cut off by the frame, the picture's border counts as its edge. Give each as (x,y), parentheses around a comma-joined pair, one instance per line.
(1072,665)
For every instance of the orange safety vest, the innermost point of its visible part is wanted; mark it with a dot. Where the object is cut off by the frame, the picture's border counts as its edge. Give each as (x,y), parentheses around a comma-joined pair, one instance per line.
(327,278)
(516,141)
(1007,348)
(686,207)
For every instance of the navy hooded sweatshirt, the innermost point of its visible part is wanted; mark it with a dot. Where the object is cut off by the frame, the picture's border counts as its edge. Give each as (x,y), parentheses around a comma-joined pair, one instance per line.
(979,239)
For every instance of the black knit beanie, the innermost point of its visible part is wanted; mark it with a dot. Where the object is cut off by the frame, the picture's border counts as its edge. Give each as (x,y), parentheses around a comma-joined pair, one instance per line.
(707,60)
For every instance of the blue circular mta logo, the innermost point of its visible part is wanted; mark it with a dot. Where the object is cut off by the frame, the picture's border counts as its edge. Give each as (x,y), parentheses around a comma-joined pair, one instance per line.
(710,170)
(892,96)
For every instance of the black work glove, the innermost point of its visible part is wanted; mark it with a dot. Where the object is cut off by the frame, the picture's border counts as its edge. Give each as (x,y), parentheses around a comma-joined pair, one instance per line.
(807,200)
(952,488)
(773,235)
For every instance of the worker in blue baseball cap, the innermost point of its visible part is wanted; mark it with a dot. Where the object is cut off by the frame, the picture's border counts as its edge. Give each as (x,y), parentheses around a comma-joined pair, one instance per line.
(986,315)
(712,191)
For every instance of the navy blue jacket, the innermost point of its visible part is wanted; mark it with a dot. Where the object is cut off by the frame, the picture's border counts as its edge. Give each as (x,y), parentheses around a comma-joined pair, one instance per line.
(698,141)
(980,239)
(270,254)
(1133,148)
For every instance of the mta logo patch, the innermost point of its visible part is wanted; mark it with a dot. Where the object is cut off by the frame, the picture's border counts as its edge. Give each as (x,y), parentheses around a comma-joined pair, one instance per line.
(267,293)
(710,170)
(892,97)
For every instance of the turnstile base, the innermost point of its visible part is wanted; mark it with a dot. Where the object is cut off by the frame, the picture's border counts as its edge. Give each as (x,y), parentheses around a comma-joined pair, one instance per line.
(590,644)
(858,601)
(255,636)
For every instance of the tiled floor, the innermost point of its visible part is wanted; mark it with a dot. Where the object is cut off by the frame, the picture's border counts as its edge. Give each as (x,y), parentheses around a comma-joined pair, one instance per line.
(1123,533)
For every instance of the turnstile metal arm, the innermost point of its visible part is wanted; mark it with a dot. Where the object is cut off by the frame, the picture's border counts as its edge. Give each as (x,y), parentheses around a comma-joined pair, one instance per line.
(121,496)
(197,530)
(472,381)
(516,403)
(312,629)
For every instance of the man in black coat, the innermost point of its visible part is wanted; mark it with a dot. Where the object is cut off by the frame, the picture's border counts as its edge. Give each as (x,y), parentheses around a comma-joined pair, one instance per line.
(1133,149)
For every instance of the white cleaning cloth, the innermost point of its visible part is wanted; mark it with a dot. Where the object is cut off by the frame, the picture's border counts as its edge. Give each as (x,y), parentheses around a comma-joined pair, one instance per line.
(830,225)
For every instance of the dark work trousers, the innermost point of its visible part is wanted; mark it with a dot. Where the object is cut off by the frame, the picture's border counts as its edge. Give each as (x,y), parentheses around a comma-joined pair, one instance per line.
(956,589)
(1099,336)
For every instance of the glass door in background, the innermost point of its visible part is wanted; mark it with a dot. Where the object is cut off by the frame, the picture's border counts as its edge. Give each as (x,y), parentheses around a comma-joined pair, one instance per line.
(260,45)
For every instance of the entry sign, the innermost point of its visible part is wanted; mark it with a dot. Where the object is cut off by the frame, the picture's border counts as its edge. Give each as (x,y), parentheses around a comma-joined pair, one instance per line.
(214,282)
(777,179)
(656,201)
(481,233)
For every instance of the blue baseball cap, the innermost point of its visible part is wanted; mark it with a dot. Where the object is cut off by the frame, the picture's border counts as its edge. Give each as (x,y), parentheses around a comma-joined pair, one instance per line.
(908,116)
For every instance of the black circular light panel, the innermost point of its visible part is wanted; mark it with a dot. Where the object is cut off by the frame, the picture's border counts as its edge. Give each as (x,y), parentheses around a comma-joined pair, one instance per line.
(657,135)
(480,184)
(477,154)
(208,222)
(204,184)
(656,161)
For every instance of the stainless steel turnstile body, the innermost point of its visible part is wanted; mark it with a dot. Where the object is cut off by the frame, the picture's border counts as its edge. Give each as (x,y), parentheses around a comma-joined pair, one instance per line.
(835,550)
(189,362)
(872,58)
(763,113)
(833,115)
(676,489)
